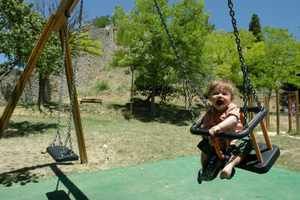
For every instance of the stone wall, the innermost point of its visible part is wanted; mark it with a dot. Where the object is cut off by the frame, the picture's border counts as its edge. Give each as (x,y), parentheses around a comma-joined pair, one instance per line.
(88,67)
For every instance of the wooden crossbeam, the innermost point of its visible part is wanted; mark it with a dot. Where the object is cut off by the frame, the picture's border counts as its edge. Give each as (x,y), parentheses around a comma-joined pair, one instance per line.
(90,100)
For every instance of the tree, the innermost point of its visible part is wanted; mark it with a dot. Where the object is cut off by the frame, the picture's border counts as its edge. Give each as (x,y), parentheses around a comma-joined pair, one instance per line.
(220,54)
(295,80)
(190,28)
(145,45)
(102,21)
(142,48)
(255,28)
(274,62)
(20,28)
(282,54)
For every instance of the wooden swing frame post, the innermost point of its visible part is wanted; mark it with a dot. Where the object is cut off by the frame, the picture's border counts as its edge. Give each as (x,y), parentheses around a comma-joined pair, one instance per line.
(252,135)
(277,111)
(264,130)
(55,23)
(290,121)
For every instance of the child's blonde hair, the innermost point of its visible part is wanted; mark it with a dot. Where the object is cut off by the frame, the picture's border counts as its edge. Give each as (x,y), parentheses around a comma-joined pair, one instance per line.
(222,84)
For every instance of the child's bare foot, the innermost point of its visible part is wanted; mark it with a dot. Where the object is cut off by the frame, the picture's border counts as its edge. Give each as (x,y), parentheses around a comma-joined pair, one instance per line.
(227,172)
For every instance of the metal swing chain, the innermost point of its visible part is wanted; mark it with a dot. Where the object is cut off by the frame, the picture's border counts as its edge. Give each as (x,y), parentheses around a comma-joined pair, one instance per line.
(57,140)
(172,44)
(248,89)
(187,84)
(69,122)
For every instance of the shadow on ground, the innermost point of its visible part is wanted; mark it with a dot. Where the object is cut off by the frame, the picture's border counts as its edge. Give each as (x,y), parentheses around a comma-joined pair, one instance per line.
(59,192)
(164,113)
(24,175)
(19,129)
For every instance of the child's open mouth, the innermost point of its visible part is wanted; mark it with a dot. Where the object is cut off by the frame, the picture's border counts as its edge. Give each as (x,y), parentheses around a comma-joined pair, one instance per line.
(219,102)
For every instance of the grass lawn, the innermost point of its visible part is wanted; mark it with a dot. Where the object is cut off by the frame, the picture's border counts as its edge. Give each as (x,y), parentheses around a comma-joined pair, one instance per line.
(112,140)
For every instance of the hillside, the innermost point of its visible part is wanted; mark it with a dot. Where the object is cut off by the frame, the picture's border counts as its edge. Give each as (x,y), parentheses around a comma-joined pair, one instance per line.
(96,70)
(92,72)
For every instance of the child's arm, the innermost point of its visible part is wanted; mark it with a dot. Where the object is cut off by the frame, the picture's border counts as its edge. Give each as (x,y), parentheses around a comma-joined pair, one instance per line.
(228,123)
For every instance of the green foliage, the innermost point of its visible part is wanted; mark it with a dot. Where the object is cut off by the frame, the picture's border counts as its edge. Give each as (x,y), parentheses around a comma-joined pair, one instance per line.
(190,29)
(271,63)
(121,21)
(101,86)
(146,48)
(51,59)
(19,28)
(102,21)
(82,42)
(282,52)
(220,53)
(219,50)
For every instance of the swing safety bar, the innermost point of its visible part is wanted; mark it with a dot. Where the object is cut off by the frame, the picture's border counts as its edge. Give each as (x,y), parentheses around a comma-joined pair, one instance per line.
(261,112)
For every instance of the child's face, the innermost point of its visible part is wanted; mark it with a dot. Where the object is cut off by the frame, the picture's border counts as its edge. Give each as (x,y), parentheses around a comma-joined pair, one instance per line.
(220,98)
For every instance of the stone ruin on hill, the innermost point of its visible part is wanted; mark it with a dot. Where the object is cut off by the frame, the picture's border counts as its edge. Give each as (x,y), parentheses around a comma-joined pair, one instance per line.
(88,67)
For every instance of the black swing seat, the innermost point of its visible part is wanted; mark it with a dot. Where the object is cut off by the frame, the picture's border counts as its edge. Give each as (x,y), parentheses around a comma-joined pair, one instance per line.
(250,161)
(260,114)
(61,153)
(269,157)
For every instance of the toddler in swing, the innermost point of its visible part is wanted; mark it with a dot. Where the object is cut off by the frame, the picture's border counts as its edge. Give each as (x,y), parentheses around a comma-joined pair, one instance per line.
(221,116)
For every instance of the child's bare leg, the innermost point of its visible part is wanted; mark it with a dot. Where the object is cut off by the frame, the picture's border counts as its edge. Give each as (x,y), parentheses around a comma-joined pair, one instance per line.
(227,170)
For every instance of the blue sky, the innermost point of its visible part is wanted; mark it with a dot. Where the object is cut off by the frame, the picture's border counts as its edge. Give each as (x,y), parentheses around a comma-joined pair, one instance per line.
(275,13)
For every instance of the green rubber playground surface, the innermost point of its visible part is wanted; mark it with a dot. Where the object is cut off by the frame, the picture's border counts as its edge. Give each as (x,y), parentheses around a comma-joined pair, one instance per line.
(164,180)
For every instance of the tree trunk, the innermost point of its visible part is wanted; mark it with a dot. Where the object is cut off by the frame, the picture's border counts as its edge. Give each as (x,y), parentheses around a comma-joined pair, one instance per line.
(152,102)
(131,90)
(44,91)
(277,112)
(29,93)
(290,113)
(268,117)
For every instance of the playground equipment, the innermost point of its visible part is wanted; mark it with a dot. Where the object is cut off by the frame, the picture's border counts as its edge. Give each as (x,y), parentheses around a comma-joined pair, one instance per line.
(265,154)
(57,22)
(188,85)
(59,150)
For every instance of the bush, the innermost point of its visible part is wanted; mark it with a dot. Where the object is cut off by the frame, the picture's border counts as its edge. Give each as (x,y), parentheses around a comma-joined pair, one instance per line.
(102,21)
(101,86)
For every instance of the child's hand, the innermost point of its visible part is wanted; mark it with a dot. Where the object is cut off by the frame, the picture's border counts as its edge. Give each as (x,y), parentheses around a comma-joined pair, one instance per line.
(214,130)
